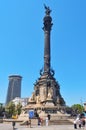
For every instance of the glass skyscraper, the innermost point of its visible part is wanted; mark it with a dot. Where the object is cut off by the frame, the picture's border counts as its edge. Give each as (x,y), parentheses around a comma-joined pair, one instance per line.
(14,87)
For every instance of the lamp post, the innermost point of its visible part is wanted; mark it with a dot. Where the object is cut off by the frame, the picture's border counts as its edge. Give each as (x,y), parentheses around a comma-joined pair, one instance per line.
(81,102)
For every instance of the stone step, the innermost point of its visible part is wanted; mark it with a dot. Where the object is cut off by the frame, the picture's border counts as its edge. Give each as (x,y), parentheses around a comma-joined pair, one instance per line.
(60,122)
(1,120)
(53,122)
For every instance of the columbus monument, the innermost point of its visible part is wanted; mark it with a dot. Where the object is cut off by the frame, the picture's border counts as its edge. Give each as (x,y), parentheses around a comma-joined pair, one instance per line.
(46,97)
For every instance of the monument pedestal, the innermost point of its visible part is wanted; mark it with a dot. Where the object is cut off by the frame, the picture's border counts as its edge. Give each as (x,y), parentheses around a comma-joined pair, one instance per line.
(49,102)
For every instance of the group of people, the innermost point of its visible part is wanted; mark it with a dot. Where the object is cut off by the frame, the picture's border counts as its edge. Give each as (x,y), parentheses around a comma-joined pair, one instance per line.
(79,122)
(40,121)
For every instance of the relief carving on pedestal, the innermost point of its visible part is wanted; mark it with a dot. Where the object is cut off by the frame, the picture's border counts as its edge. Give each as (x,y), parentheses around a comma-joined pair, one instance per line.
(50,93)
(38,99)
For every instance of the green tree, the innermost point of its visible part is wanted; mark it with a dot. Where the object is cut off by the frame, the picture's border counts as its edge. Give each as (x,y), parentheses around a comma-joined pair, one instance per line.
(68,110)
(19,108)
(10,108)
(77,108)
(2,109)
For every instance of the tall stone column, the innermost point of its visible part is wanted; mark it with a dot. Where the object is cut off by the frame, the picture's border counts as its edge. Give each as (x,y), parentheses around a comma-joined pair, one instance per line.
(47,28)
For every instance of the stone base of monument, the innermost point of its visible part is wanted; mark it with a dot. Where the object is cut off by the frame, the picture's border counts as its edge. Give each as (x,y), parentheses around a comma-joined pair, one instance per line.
(32,102)
(44,112)
(49,102)
(56,119)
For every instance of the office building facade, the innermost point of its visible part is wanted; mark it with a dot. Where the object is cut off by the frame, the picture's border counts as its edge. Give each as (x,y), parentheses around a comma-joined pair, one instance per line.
(14,87)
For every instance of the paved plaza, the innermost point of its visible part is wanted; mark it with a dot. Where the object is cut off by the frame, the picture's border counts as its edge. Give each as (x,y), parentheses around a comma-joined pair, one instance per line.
(8,126)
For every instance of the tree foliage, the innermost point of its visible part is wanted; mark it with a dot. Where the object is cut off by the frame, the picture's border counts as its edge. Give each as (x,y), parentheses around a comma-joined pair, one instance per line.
(77,108)
(74,109)
(2,109)
(13,109)
(68,110)
(10,108)
(19,108)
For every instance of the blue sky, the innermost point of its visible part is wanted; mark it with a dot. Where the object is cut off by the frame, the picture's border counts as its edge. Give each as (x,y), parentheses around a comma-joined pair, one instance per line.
(22,45)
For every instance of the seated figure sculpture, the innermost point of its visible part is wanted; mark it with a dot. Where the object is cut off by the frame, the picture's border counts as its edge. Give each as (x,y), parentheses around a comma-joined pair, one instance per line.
(38,99)
(31,98)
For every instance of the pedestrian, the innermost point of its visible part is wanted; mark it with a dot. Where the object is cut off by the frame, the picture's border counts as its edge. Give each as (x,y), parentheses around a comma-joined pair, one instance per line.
(75,124)
(83,122)
(47,121)
(39,121)
(13,124)
(79,123)
(49,116)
